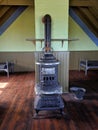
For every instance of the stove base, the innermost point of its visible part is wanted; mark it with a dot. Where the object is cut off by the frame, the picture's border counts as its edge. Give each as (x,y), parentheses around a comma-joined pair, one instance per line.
(48,103)
(50,114)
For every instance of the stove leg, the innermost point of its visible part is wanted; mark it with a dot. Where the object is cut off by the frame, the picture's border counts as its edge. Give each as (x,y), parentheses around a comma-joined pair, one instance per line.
(37,111)
(35,116)
(61,110)
(65,116)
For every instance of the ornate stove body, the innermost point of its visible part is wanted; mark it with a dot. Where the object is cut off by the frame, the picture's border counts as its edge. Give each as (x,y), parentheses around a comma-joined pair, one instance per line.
(48,90)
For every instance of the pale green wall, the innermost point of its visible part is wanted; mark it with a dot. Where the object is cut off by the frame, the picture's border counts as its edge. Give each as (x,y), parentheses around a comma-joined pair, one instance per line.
(84,43)
(14,38)
(59,14)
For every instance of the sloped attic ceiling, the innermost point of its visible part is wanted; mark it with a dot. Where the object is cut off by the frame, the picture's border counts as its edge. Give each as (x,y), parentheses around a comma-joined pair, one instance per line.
(8,15)
(87,11)
(10,10)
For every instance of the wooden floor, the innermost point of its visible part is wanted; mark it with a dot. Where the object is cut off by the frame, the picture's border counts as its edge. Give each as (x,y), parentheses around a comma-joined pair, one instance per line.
(16,105)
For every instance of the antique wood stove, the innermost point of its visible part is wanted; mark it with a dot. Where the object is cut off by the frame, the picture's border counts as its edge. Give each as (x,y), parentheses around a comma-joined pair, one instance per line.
(48,90)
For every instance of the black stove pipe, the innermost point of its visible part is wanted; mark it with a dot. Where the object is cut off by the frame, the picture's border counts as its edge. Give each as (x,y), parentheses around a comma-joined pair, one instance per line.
(47,22)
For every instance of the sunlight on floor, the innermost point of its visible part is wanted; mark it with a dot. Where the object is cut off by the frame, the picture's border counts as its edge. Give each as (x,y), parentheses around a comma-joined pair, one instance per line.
(0,91)
(3,85)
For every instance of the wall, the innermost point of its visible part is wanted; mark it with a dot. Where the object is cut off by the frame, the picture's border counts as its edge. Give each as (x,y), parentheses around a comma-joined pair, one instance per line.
(14,38)
(13,44)
(84,43)
(59,15)
(24,61)
(75,56)
(84,48)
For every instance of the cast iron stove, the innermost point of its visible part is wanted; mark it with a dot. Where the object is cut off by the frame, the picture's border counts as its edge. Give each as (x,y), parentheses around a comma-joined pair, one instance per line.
(48,90)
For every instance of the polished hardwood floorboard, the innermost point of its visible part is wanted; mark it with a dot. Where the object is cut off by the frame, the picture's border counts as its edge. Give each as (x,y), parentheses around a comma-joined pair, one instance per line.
(16,104)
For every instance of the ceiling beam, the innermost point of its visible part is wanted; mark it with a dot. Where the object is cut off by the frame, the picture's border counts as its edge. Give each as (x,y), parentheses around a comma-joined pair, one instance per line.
(84,3)
(2,2)
(3,10)
(90,20)
(17,2)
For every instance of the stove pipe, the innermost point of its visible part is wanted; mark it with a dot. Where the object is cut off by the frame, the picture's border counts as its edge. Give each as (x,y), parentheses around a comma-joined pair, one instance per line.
(47,22)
